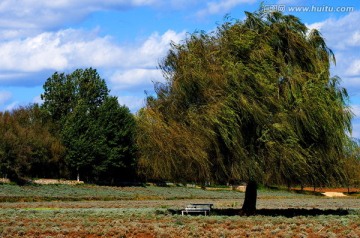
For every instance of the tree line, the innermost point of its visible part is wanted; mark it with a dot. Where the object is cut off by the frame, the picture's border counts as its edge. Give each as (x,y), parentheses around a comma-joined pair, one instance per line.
(252,101)
(79,131)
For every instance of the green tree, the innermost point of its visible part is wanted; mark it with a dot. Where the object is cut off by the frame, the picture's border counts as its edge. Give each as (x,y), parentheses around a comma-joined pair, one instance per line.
(64,92)
(352,163)
(253,101)
(79,135)
(116,156)
(96,131)
(59,96)
(26,145)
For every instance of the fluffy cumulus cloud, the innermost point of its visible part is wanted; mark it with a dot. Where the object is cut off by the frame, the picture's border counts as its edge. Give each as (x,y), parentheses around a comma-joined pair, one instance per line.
(34,43)
(137,70)
(356,110)
(152,49)
(347,33)
(346,45)
(57,51)
(69,49)
(128,79)
(354,68)
(127,68)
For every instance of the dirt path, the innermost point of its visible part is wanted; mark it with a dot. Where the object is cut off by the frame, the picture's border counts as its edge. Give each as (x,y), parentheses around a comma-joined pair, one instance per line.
(334,194)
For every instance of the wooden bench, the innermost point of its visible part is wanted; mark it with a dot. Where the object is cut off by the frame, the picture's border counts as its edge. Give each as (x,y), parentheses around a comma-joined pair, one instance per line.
(197,208)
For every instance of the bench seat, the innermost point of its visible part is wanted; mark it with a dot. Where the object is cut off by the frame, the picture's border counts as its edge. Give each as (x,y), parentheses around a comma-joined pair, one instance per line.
(197,208)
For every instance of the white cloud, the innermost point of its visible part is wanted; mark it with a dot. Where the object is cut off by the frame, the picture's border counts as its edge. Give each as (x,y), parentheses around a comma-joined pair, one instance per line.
(343,32)
(4,97)
(356,129)
(37,100)
(135,77)
(356,110)
(221,6)
(68,49)
(153,49)
(7,76)
(352,84)
(343,36)
(132,102)
(354,68)
(355,39)
(45,14)
(316,25)
(57,51)
(130,67)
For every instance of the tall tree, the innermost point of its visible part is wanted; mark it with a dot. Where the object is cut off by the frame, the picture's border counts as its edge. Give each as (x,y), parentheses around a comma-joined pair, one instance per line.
(96,131)
(59,96)
(64,92)
(71,101)
(253,101)
(116,159)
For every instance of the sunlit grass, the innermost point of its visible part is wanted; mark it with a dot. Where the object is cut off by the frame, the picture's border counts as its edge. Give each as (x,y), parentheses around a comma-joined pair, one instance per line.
(37,193)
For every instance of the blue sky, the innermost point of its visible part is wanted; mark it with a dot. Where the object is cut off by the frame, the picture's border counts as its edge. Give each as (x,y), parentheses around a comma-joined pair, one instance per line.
(125,40)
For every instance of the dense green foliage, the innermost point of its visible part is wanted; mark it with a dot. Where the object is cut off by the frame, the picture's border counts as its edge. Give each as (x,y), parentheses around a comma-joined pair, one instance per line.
(252,101)
(96,131)
(352,163)
(79,130)
(27,148)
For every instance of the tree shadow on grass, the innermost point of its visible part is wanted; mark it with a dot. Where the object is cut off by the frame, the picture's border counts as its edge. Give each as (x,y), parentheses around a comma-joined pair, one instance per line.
(290,212)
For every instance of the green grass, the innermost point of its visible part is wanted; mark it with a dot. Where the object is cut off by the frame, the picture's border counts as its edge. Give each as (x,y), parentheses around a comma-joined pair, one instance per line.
(37,193)
(13,193)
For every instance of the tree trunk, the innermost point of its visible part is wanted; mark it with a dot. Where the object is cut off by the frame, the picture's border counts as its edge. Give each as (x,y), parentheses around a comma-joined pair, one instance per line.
(78,175)
(249,206)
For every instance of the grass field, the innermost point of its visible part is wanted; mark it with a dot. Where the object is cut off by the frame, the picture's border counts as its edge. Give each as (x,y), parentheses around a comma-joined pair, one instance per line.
(94,211)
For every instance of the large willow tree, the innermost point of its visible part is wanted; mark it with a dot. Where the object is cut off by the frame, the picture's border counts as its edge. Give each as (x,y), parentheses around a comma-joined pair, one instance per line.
(252,101)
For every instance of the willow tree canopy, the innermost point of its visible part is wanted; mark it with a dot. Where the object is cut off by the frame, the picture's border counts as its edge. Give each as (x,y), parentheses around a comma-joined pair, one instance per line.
(253,100)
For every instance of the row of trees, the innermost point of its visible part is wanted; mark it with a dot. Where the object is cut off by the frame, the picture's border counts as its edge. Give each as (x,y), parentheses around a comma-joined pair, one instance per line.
(27,148)
(79,131)
(252,101)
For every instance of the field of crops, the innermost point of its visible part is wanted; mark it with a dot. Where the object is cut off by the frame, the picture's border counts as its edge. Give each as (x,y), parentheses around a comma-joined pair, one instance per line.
(93,211)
